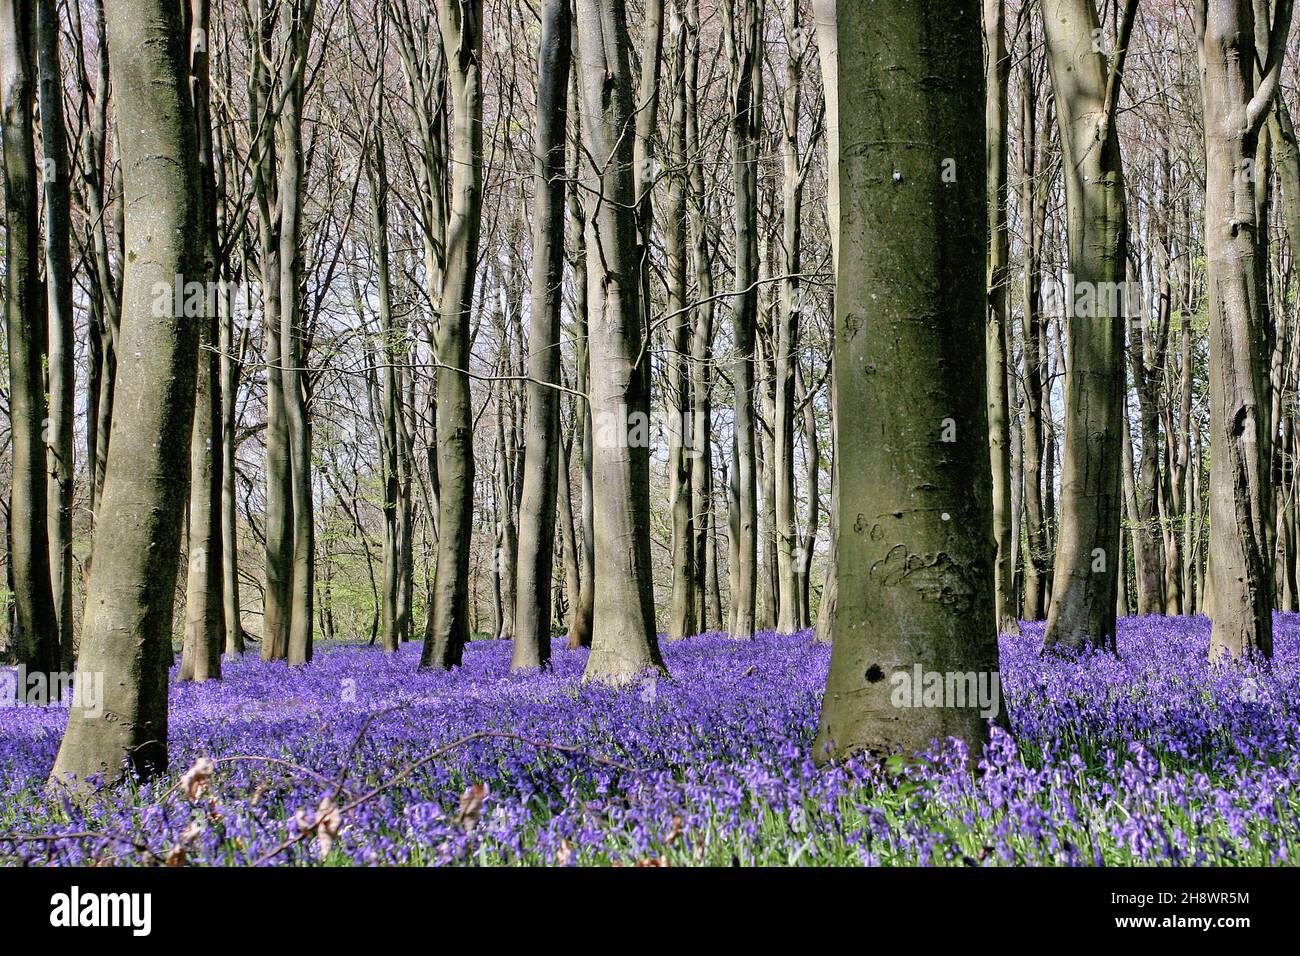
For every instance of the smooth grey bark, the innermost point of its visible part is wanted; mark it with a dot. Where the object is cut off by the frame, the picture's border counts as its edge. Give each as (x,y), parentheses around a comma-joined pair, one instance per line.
(1235,108)
(914,563)
(461,28)
(1086,83)
(794,174)
(126,633)
(36,641)
(828,57)
(997,68)
(293,338)
(204,635)
(538,504)
(701,358)
(585,607)
(743,32)
(624,641)
(278,514)
(62,380)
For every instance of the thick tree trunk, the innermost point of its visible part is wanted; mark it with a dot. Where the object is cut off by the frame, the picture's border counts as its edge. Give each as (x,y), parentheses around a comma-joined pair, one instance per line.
(1240,480)
(36,644)
(624,642)
(461,26)
(127,629)
(914,555)
(538,506)
(1087,88)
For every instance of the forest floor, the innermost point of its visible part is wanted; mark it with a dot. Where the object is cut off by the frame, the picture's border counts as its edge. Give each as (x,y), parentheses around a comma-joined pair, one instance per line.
(1153,757)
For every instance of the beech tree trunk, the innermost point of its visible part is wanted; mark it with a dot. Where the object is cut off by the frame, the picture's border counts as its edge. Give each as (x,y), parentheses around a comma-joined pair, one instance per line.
(538,504)
(461,28)
(624,641)
(914,562)
(127,628)
(35,644)
(1240,481)
(1086,83)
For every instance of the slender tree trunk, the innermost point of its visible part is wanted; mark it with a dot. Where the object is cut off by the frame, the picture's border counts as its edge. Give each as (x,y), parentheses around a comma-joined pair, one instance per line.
(584,611)
(682,617)
(293,340)
(786,358)
(744,47)
(59,281)
(127,629)
(36,645)
(624,641)
(541,463)
(909,348)
(701,478)
(204,636)
(461,26)
(828,56)
(997,69)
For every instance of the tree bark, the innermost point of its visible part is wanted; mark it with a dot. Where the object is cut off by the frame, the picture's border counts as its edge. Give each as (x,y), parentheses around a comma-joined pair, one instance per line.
(1086,84)
(127,629)
(461,28)
(36,643)
(1240,481)
(624,641)
(538,504)
(914,555)
(59,283)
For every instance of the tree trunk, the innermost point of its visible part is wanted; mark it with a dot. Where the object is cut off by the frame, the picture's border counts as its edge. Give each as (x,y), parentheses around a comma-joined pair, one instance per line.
(682,617)
(127,629)
(204,636)
(1087,88)
(744,48)
(624,642)
(59,282)
(461,26)
(1240,480)
(914,555)
(538,506)
(997,68)
(36,644)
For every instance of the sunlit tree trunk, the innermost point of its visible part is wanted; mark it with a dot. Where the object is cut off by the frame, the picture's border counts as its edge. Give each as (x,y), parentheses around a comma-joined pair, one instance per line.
(1086,84)
(461,28)
(127,629)
(1236,107)
(204,637)
(624,642)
